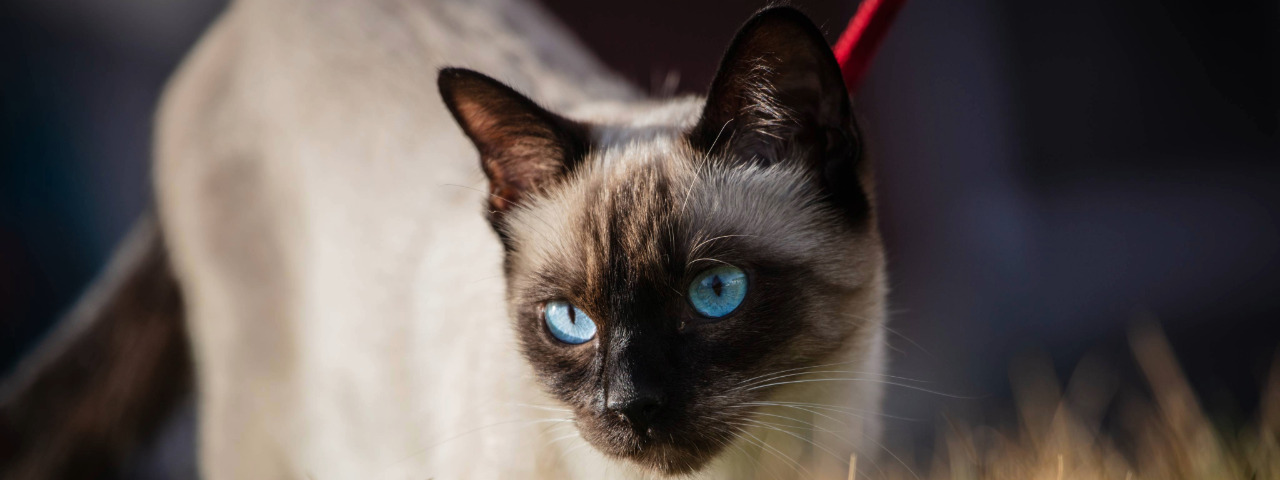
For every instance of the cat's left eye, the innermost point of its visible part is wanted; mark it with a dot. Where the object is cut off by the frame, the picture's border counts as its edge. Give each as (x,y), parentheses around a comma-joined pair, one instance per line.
(567,323)
(718,291)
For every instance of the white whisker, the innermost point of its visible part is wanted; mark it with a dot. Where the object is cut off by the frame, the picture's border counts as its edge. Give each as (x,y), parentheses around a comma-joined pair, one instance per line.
(854,412)
(694,250)
(541,407)
(557,439)
(566,452)
(744,452)
(908,339)
(777,427)
(691,262)
(837,435)
(782,456)
(752,404)
(851,372)
(795,369)
(896,384)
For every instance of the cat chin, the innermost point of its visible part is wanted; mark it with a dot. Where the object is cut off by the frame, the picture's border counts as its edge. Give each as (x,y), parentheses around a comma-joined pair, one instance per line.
(672,457)
(667,460)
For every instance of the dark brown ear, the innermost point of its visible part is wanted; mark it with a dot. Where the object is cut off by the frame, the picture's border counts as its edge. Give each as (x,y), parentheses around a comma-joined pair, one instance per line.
(779,96)
(523,147)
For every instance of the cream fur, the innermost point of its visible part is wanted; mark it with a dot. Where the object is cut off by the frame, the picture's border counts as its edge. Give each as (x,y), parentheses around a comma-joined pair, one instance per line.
(344,291)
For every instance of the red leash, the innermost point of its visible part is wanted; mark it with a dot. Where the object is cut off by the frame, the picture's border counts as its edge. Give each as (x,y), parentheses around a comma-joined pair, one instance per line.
(858,43)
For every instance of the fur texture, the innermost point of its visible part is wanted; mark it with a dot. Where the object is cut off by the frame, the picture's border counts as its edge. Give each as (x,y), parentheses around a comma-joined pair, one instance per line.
(344,289)
(104,381)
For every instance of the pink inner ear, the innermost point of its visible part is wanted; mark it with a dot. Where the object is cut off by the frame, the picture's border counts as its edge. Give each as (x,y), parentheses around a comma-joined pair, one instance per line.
(522,146)
(478,120)
(517,151)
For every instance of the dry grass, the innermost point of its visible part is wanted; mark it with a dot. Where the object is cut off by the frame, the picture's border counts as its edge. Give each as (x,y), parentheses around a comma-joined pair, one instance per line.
(1060,435)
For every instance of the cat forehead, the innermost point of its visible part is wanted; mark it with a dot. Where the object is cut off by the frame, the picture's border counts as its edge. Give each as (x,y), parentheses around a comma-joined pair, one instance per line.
(615,125)
(649,203)
(641,182)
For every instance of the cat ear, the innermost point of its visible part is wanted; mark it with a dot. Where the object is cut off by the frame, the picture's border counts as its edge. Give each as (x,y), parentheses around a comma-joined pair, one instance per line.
(523,147)
(779,96)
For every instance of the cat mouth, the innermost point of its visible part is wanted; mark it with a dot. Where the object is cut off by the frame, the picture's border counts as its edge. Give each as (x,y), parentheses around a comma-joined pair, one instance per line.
(665,452)
(665,458)
(670,460)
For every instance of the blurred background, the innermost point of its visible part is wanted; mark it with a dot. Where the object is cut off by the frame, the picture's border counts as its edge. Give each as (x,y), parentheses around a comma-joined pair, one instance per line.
(1050,171)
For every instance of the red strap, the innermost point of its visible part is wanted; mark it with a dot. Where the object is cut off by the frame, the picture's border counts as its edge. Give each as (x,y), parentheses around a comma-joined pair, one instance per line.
(858,43)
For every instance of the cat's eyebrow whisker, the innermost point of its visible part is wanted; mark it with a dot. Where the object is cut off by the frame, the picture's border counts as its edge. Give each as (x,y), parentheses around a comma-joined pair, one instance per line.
(884,382)
(708,259)
(688,193)
(707,155)
(694,250)
(697,174)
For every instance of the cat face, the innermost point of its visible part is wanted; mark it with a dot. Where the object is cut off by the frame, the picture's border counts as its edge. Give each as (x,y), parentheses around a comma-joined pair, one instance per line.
(654,278)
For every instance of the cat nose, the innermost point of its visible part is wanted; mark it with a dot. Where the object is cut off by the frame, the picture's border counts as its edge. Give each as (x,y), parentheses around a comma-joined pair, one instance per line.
(638,409)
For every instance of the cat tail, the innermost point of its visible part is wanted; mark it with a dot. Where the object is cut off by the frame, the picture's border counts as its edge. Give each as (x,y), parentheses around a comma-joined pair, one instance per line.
(96,390)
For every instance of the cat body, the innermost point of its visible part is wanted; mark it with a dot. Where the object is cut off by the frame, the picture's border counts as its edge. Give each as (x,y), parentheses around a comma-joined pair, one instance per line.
(351,311)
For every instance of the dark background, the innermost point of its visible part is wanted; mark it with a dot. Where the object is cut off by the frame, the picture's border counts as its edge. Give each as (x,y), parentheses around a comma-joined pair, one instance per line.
(1050,171)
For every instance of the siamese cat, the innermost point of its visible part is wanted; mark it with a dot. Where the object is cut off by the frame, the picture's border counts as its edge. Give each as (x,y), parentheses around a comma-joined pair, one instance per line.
(424,239)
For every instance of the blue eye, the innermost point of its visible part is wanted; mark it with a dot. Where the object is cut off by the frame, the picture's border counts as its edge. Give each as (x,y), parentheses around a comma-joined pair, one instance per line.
(567,323)
(718,291)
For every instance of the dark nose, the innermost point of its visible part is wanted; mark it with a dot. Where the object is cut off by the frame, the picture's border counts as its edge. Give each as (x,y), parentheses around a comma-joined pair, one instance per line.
(639,408)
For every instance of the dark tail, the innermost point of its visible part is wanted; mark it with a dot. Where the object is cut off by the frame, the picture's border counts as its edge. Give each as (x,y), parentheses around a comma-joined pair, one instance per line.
(102,384)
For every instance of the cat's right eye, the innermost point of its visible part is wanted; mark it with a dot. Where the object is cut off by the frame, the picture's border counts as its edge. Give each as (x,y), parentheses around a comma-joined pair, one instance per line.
(567,323)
